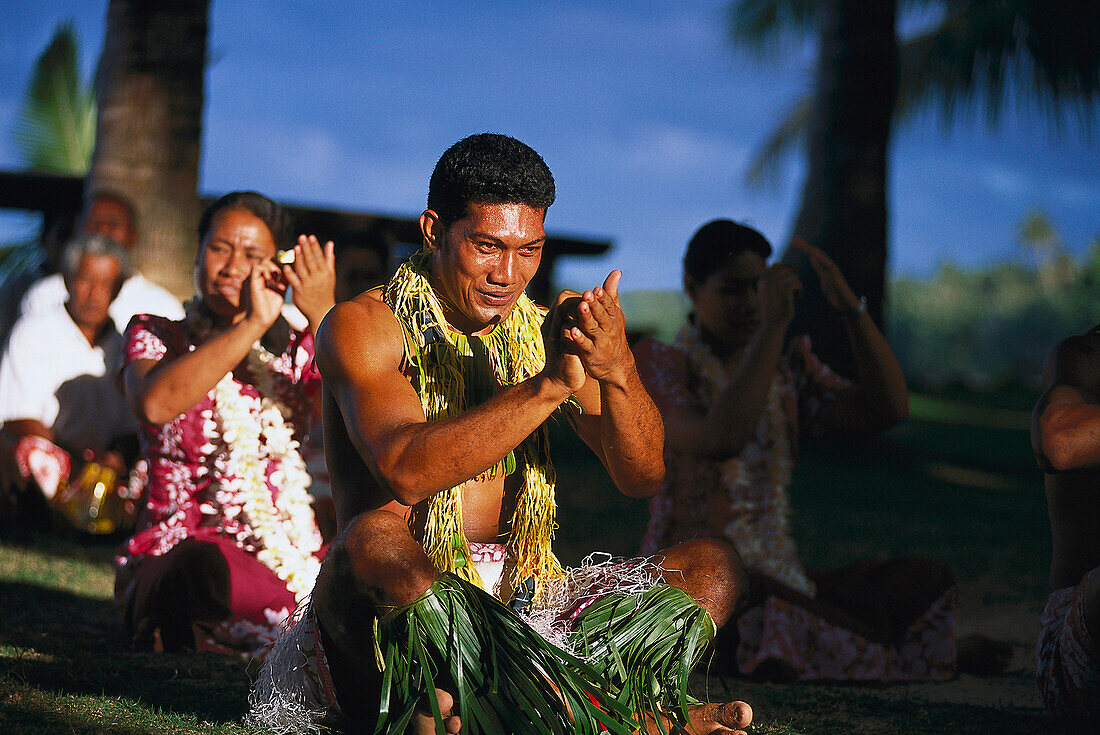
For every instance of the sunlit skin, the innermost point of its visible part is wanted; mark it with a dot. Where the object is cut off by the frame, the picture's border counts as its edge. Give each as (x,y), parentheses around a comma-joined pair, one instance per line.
(242,286)
(237,241)
(1065,435)
(385,457)
(482,263)
(91,290)
(109,218)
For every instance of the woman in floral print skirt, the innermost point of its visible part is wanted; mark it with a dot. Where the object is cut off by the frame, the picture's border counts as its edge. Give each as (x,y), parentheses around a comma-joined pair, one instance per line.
(227,544)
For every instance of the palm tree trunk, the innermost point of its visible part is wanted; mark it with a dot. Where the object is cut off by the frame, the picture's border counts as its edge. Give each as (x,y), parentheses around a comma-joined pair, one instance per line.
(843,209)
(148,137)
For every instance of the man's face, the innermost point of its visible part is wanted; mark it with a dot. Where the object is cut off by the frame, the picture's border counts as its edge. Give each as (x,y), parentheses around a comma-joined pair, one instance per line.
(92,289)
(727,303)
(483,262)
(110,219)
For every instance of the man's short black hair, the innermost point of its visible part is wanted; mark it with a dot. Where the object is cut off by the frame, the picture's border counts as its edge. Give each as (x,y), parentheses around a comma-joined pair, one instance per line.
(716,242)
(488,168)
(110,195)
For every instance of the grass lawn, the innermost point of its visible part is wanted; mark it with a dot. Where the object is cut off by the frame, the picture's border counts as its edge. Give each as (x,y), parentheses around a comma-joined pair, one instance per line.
(956,482)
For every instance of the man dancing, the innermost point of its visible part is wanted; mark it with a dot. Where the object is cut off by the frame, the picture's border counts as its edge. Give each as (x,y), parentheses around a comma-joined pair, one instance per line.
(437,391)
(1065,433)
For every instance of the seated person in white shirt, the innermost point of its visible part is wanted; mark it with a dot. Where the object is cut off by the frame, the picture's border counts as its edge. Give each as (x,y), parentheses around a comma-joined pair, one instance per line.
(59,404)
(113,216)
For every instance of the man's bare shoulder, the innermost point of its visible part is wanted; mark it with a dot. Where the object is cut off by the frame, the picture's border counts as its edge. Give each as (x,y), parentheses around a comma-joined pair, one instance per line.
(1075,362)
(364,329)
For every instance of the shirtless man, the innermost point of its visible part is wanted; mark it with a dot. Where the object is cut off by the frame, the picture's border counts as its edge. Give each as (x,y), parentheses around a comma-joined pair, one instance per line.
(1065,434)
(483,235)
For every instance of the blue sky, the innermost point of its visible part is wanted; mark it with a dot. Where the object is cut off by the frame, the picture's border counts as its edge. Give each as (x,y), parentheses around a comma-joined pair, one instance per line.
(644,111)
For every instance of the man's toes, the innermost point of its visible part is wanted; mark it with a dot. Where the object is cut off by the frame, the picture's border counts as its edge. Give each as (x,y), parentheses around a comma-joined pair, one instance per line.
(445,700)
(452,725)
(732,714)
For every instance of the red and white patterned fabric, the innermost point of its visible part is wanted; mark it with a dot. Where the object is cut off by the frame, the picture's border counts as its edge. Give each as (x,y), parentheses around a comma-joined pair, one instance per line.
(43,461)
(742,498)
(1067,668)
(745,500)
(187,490)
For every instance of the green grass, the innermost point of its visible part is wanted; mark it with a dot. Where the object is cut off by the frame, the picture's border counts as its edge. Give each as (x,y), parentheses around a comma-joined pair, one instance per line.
(64,667)
(954,483)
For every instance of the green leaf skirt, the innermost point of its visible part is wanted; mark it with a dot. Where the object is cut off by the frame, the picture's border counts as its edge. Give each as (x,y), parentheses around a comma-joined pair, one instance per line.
(633,655)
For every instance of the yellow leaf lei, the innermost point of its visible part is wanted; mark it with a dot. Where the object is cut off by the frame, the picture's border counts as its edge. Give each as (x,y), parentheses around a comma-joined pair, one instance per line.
(441,358)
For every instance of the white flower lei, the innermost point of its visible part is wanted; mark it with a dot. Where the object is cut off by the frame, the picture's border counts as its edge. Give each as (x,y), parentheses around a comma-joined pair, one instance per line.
(770,550)
(283,531)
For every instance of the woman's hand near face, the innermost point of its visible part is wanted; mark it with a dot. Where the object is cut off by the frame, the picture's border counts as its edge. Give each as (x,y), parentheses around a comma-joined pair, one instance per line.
(263,298)
(312,279)
(779,287)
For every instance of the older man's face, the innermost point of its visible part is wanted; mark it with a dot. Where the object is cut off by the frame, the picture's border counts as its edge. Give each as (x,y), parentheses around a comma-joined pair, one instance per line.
(109,218)
(92,288)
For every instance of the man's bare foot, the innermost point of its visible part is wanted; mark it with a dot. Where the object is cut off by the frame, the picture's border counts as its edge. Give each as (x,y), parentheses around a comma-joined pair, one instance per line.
(424,724)
(727,718)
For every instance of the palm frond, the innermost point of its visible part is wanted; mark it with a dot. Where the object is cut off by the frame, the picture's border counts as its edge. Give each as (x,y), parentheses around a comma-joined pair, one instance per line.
(645,646)
(507,679)
(758,25)
(788,134)
(1044,52)
(55,131)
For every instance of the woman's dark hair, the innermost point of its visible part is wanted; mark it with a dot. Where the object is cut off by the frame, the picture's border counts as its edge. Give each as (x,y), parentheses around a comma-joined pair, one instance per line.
(270,213)
(277,338)
(488,168)
(716,242)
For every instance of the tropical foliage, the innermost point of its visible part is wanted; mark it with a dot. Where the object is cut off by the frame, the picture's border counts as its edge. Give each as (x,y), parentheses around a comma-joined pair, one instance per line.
(55,131)
(986,327)
(997,52)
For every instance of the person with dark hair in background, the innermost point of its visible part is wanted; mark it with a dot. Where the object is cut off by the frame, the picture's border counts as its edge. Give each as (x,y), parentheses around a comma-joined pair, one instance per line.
(227,544)
(736,401)
(113,216)
(438,387)
(1065,434)
(58,402)
(362,262)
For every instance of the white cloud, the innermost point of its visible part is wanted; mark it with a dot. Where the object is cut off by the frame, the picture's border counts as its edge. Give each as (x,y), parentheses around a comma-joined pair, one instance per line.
(1005,181)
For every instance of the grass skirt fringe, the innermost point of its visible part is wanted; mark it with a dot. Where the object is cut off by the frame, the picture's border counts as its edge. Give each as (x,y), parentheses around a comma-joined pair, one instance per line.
(627,644)
(287,697)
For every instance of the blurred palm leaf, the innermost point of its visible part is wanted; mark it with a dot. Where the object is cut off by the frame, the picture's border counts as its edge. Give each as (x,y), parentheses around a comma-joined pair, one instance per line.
(997,51)
(55,131)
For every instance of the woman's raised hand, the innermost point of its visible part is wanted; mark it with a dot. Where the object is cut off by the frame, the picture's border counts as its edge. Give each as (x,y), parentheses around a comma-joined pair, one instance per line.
(834,286)
(312,278)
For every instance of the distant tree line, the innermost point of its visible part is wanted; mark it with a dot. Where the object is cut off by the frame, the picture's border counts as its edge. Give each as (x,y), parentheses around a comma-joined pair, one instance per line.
(990,327)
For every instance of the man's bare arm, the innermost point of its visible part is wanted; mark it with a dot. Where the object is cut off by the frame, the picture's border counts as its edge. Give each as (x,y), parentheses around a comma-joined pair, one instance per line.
(1065,425)
(360,350)
(620,421)
(17,428)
